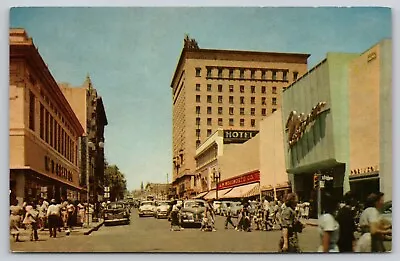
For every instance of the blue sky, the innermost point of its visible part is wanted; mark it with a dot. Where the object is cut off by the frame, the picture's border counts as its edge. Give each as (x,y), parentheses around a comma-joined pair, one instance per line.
(131,54)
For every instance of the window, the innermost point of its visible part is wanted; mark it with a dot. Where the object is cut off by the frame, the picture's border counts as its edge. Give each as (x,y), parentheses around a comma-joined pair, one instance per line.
(220,110)
(273,110)
(241,122)
(263,75)
(274,101)
(242,88)
(197,86)
(198,121)
(231,122)
(230,110)
(253,74)
(197,132)
(263,89)
(231,74)
(253,122)
(253,111)
(220,73)
(295,75)
(51,131)
(209,72)
(198,71)
(41,121)
(274,75)
(241,111)
(209,87)
(31,111)
(253,100)
(47,127)
(253,89)
(209,110)
(241,99)
(274,90)
(220,99)
(197,98)
(263,111)
(197,109)
(263,101)
(231,99)
(285,75)
(230,88)
(220,122)
(197,143)
(209,131)
(219,87)
(242,74)
(209,98)
(209,121)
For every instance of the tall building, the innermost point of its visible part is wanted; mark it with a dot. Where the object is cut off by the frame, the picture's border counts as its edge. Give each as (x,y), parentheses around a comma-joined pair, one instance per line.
(44,129)
(226,89)
(89,108)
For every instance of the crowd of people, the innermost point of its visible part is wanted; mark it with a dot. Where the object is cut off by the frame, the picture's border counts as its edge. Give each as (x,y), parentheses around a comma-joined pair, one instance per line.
(34,215)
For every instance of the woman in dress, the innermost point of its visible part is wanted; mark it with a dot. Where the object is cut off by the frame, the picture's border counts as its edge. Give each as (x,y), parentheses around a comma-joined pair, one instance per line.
(290,226)
(373,227)
(328,226)
(30,220)
(15,219)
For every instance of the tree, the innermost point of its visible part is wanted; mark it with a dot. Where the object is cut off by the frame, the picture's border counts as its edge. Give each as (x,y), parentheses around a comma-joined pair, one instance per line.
(115,179)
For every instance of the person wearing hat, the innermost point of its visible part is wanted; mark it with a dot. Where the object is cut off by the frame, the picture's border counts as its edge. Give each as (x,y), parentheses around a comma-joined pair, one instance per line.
(53,215)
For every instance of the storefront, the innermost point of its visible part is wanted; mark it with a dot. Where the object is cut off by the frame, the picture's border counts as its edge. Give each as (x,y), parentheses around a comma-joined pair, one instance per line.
(246,185)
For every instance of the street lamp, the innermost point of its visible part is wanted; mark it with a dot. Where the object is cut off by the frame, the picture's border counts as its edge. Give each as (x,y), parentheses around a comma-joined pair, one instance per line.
(216,178)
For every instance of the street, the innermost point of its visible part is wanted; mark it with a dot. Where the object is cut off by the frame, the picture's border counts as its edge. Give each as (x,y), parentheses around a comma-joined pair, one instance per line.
(148,234)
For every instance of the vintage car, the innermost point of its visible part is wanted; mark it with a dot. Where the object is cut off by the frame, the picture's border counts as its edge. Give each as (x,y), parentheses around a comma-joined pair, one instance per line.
(115,212)
(217,207)
(147,208)
(162,209)
(192,212)
(234,206)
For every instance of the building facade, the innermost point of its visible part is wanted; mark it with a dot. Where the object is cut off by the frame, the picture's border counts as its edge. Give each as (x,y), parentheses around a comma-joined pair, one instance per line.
(44,130)
(225,89)
(89,108)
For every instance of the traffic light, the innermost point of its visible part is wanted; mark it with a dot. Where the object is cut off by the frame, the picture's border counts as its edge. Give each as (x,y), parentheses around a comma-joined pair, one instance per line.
(316,181)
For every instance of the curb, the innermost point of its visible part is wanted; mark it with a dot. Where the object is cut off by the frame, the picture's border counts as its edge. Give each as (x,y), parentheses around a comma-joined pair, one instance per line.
(312,224)
(94,228)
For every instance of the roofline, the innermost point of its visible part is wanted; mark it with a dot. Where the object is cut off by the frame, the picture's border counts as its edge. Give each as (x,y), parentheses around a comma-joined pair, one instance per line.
(209,51)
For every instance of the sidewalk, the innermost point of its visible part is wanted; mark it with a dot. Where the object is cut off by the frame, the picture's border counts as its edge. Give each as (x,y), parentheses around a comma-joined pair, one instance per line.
(311,222)
(45,235)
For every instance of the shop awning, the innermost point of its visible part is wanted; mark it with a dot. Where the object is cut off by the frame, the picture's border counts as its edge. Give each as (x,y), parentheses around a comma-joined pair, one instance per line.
(200,195)
(243,191)
(213,193)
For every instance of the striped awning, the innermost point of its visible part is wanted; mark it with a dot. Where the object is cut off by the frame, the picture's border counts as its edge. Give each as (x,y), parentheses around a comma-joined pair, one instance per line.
(213,193)
(200,195)
(243,191)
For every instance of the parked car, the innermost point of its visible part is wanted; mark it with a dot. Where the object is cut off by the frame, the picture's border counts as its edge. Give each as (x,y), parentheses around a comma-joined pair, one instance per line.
(147,208)
(162,209)
(387,211)
(217,207)
(115,212)
(235,208)
(192,212)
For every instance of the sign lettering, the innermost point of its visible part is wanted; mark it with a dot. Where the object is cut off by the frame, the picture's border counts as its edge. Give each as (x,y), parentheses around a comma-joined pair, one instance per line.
(57,169)
(241,180)
(297,123)
(238,136)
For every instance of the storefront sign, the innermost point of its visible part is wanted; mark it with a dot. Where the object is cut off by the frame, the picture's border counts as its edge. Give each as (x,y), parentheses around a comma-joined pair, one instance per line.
(55,168)
(238,136)
(240,180)
(297,123)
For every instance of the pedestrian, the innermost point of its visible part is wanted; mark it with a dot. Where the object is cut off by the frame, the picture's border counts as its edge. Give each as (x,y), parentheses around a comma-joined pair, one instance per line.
(70,217)
(53,217)
(228,219)
(175,218)
(306,210)
(373,227)
(347,225)
(290,226)
(328,226)
(81,214)
(30,220)
(15,219)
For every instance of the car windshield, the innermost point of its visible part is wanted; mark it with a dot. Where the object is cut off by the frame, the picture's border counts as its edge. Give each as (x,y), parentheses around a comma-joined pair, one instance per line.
(192,204)
(163,203)
(115,206)
(147,203)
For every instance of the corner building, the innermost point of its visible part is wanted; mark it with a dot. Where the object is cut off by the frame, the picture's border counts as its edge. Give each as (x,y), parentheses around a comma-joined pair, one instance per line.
(224,89)
(44,130)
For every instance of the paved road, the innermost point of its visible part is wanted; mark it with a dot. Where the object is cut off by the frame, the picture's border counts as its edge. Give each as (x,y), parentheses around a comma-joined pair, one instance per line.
(152,235)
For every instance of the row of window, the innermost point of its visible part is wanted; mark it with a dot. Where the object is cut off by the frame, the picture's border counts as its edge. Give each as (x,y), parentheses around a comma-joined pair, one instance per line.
(241,99)
(241,88)
(232,74)
(51,132)
(231,110)
(231,122)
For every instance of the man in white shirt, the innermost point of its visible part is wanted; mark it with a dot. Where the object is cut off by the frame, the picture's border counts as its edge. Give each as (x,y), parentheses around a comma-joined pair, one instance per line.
(53,216)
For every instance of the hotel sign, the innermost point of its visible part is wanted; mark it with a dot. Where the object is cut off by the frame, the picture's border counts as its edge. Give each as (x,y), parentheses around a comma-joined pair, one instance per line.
(248,178)
(297,123)
(238,136)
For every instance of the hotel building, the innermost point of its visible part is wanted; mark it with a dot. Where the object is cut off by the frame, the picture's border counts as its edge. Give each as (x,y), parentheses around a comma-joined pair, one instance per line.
(44,129)
(225,89)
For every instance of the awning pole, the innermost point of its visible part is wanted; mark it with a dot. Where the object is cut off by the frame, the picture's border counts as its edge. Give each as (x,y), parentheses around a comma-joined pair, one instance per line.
(259,189)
